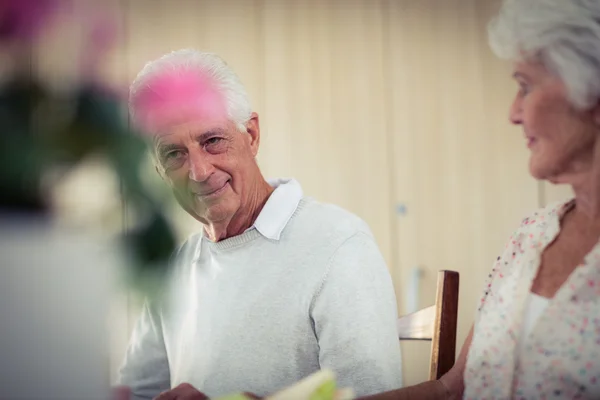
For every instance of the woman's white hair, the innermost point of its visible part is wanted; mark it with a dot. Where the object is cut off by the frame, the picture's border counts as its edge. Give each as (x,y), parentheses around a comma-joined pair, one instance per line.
(563,34)
(208,64)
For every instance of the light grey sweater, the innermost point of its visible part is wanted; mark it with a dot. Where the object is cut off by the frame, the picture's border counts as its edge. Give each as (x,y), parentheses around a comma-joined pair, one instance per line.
(255,314)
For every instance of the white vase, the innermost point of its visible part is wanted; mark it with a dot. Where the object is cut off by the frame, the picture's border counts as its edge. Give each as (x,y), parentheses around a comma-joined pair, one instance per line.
(55,290)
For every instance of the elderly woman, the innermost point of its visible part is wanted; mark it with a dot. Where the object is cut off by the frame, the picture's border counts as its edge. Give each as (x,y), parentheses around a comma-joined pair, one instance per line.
(537,330)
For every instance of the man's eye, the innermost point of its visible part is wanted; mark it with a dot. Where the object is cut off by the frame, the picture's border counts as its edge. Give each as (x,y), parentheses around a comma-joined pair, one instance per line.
(213,140)
(173,155)
(173,158)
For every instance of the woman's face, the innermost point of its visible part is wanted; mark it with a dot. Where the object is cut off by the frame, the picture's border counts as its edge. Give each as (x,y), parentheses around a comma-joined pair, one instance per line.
(561,138)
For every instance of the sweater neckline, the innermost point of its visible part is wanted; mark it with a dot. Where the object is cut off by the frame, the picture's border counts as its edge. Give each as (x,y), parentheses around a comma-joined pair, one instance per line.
(246,237)
(234,241)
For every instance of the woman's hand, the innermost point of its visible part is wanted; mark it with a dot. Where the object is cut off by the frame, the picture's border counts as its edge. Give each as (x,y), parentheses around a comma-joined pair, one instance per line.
(448,387)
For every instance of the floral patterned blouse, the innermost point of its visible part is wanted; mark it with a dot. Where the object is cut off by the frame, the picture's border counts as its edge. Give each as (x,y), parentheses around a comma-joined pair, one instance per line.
(561,356)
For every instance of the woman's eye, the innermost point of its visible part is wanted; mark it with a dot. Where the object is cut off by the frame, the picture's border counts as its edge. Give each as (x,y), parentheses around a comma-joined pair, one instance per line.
(524,89)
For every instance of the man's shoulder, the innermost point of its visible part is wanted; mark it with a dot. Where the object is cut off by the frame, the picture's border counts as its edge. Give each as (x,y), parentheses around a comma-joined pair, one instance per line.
(188,247)
(327,220)
(181,260)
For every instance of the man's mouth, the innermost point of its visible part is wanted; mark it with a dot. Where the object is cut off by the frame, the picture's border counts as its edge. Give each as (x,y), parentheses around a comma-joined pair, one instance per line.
(213,191)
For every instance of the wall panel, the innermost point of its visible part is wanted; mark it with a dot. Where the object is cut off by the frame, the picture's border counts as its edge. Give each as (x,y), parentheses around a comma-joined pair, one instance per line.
(394,109)
(460,177)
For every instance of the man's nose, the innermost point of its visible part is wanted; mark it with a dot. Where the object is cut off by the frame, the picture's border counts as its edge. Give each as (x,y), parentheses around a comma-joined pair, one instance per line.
(200,166)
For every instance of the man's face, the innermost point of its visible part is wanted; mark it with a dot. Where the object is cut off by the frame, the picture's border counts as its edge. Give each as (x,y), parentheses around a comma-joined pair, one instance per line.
(209,165)
(205,158)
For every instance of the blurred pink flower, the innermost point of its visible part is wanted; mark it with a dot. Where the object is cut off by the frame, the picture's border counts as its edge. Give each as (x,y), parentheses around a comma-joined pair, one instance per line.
(101,35)
(23,19)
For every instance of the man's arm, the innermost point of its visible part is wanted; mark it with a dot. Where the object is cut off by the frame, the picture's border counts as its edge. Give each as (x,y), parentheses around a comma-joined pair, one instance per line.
(146,368)
(354,315)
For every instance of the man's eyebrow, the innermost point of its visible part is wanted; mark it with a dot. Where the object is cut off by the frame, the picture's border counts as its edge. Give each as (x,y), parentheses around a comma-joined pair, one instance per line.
(206,135)
(211,132)
(164,147)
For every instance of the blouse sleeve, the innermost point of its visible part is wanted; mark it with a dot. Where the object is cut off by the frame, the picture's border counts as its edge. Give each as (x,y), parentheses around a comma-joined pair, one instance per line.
(502,262)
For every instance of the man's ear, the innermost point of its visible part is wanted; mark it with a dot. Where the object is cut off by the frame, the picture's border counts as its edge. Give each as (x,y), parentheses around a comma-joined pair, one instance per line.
(159,170)
(253,129)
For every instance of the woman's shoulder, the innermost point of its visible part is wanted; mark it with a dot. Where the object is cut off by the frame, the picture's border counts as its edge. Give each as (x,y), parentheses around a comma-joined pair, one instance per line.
(535,231)
(543,217)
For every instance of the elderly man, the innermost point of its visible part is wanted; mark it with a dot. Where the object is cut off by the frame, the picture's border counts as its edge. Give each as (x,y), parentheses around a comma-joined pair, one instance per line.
(276,285)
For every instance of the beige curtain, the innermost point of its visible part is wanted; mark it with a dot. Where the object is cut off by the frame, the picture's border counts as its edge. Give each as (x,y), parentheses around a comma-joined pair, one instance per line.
(394,109)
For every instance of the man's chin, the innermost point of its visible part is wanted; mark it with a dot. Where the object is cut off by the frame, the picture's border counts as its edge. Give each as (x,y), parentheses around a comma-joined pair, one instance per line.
(214,214)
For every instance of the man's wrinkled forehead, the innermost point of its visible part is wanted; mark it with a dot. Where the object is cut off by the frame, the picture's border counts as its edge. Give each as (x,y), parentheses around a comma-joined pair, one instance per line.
(177,97)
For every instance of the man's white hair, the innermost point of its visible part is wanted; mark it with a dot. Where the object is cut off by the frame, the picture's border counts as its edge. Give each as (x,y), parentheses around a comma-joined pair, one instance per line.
(563,34)
(208,64)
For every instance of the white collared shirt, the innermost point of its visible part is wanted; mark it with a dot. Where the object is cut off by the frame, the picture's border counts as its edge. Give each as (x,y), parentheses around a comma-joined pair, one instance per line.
(280,207)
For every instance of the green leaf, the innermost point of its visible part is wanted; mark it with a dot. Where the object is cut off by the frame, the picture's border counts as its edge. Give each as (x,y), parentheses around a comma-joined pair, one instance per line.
(324,392)
(237,396)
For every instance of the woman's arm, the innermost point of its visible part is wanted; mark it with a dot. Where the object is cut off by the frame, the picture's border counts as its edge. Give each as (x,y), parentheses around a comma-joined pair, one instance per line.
(448,387)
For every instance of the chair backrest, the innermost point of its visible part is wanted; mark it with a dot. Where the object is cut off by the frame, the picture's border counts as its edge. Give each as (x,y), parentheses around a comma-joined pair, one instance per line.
(436,323)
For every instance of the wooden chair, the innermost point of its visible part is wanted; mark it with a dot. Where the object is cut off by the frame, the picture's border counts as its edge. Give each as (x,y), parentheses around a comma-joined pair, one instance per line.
(436,323)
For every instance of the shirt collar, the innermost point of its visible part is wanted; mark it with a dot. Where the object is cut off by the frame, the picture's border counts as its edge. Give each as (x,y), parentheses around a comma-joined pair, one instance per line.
(279,208)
